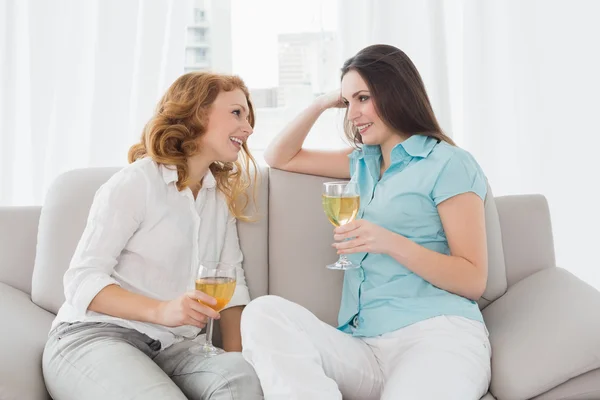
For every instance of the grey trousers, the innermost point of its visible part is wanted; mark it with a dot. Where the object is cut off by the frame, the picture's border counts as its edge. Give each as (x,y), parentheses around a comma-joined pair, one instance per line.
(93,361)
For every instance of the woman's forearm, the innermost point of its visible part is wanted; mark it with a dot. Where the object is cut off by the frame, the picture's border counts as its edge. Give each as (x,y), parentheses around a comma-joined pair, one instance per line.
(115,301)
(289,142)
(451,273)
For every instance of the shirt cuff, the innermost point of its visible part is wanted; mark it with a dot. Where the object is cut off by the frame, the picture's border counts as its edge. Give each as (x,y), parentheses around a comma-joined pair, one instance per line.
(88,289)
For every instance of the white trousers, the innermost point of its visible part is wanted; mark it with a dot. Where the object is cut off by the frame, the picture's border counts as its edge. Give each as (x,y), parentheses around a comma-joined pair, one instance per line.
(297,356)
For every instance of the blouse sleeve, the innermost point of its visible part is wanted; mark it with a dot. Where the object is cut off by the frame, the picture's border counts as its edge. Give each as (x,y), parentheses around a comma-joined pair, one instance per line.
(461,174)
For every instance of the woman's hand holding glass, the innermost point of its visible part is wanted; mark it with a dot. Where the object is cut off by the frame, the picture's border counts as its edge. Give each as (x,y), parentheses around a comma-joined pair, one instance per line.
(191,308)
(362,236)
(217,281)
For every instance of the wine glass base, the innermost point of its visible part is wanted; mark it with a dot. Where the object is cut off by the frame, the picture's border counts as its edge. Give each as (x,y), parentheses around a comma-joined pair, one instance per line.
(342,266)
(206,351)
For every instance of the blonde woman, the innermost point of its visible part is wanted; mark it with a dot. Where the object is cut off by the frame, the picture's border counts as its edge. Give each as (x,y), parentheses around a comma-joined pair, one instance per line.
(124,330)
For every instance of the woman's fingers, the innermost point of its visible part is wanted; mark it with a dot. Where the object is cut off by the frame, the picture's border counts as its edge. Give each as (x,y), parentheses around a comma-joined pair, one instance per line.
(204,309)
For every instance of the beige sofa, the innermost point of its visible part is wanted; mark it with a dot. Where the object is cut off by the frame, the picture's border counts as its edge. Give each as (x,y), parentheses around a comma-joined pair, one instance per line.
(544,323)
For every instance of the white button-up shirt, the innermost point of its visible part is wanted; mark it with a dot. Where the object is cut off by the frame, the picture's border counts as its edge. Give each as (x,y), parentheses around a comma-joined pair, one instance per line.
(149,238)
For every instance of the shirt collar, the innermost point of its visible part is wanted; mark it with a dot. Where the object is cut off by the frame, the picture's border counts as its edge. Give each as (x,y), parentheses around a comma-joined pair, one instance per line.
(169,174)
(414,146)
(418,145)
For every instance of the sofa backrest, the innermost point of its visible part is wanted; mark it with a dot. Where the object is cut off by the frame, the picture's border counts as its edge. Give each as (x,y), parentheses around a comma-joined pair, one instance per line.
(285,250)
(526,235)
(496,283)
(300,238)
(64,215)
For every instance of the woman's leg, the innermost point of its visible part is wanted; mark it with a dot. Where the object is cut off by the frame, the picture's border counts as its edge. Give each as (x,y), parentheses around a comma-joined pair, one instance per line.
(297,356)
(94,361)
(224,377)
(441,358)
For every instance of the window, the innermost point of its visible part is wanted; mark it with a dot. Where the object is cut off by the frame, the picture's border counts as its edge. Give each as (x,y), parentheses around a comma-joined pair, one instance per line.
(197,55)
(199,15)
(197,35)
(286,61)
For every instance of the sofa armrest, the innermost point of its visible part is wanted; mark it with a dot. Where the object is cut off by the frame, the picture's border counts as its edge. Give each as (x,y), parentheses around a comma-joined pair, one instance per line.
(544,331)
(18,239)
(23,333)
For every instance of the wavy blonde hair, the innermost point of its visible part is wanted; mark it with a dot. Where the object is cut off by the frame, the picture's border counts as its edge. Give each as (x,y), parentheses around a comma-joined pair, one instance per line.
(181,116)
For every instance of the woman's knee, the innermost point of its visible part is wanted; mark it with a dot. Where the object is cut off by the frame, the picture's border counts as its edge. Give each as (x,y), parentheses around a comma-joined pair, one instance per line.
(258,309)
(239,380)
(63,379)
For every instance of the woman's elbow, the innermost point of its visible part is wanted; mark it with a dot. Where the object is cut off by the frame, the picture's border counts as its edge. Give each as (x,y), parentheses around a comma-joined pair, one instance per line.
(477,287)
(475,293)
(270,158)
(274,161)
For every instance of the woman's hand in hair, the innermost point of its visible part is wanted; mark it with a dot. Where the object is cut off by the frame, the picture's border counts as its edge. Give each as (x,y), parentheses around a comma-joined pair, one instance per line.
(362,236)
(331,100)
(187,309)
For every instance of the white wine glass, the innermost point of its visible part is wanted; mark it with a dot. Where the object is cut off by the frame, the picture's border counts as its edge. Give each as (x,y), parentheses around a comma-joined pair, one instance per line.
(341,202)
(217,280)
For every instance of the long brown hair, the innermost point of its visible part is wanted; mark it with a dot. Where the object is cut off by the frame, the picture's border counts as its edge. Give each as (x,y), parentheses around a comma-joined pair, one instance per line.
(180,118)
(397,90)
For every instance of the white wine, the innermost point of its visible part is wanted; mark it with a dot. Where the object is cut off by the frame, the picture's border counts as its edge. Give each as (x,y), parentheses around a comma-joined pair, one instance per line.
(221,288)
(341,210)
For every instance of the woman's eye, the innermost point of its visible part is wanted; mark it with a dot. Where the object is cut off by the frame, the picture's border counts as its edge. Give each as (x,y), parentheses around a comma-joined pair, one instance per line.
(363,98)
(237,112)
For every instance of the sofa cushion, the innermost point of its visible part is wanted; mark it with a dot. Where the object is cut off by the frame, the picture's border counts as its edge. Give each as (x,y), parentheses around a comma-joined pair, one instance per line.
(254,239)
(496,282)
(64,216)
(300,238)
(525,219)
(23,334)
(582,387)
(544,331)
(18,229)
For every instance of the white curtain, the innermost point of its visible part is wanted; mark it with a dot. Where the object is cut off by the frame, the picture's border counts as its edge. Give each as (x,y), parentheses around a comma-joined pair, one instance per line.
(78,80)
(517,83)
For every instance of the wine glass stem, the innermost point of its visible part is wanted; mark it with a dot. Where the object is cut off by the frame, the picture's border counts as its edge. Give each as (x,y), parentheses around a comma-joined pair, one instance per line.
(342,258)
(209,333)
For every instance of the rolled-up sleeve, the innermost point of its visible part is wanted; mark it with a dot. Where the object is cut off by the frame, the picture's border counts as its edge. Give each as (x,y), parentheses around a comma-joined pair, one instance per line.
(232,254)
(116,213)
